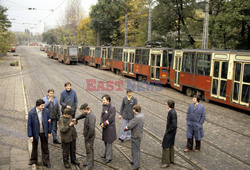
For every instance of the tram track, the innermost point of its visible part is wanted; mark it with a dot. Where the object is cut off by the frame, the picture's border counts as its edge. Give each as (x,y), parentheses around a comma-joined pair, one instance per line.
(147,131)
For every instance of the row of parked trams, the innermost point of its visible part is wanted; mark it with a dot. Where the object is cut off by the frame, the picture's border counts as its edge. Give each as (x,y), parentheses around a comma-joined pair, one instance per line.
(220,76)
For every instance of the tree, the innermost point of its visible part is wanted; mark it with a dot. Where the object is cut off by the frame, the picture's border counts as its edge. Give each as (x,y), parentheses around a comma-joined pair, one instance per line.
(231,25)
(50,36)
(104,17)
(86,35)
(6,37)
(177,17)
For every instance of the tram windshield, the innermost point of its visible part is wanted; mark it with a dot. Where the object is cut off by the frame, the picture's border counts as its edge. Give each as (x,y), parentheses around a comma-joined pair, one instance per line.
(72,51)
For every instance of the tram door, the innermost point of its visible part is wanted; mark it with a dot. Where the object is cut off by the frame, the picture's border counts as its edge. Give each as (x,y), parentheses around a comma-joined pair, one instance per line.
(92,56)
(241,83)
(131,61)
(177,69)
(155,64)
(219,79)
(104,56)
(125,60)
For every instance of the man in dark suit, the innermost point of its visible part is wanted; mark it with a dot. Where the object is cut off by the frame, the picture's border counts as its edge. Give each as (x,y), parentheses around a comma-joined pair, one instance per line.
(39,126)
(107,123)
(136,127)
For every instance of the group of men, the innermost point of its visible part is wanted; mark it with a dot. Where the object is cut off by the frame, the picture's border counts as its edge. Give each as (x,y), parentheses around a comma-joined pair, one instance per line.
(42,121)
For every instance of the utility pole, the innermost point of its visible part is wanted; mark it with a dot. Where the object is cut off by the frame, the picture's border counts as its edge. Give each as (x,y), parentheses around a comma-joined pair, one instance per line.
(149,19)
(126,31)
(205,26)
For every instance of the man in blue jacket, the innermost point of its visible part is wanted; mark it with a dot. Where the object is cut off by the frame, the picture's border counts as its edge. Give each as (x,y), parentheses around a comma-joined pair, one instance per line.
(195,119)
(39,126)
(68,98)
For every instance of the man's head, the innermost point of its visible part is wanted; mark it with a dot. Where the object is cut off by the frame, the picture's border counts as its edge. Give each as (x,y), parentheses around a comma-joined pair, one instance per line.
(40,104)
(170,104)
(68,112)
(51,93)
(129,93)
(85,108)
(137,109)
(196,99)
(67,86)
(106,99)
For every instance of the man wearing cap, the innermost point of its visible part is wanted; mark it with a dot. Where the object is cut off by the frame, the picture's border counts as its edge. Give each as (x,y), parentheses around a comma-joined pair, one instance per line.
(126,114)
(88,133)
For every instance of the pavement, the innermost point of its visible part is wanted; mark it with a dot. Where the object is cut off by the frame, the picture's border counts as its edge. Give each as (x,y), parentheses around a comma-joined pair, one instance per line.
(13,113)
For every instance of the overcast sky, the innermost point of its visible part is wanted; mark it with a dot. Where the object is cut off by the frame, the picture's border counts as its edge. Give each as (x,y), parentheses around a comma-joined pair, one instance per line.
(35,20)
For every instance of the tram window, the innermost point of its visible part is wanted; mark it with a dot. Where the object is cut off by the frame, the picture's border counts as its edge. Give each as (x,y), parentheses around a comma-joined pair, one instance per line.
(138,56)
(245,93)
(165,59)
(145,57)
(86,51)
(117,54)
(203,64)
(98,52)
(215,86)
(236,91)
(224,70)
(188,62)
(246,77)
(216,68)
(223,88)
(65,51)
(237,72)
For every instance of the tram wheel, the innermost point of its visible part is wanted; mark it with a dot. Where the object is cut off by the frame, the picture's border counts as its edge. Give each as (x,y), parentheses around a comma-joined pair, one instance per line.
(189,92)
(207,100)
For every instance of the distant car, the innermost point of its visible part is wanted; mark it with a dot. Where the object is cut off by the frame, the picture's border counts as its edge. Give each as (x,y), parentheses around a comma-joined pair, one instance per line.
(12,49)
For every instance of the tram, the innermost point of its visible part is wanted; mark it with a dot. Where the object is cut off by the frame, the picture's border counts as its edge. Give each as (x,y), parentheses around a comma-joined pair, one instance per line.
(216,75)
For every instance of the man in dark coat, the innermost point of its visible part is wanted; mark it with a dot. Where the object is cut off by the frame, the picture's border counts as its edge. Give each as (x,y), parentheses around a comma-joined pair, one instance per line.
(68,137)
(136,127)
(68,98)
(169,137)
(195,119)
(107,123)
(126,113)
(88,133)
(39,126)
(52,104)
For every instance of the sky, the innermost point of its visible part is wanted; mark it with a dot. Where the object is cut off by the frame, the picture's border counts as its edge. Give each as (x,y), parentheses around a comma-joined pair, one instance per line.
(41,17)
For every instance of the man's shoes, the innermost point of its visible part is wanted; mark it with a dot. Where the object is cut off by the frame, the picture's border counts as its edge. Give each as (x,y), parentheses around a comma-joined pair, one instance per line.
(196,150)
(103,157)
(48,165)
(122,140)
(31,163)
(66,165)
(164,166)
(187,150)
(108,161)
(75,162)
(56,142)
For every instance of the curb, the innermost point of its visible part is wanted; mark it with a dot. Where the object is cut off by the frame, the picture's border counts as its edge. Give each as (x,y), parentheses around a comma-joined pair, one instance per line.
(33,167)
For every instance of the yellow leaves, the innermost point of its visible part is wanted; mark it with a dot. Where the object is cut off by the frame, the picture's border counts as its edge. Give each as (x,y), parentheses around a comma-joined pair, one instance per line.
(86,35)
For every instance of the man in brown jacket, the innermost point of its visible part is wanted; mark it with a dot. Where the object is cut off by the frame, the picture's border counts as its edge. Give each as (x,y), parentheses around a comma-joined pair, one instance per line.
(68,137)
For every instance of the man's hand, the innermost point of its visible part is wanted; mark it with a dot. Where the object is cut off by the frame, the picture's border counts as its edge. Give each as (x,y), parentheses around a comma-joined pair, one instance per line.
(74,120)
(49,135)
(71,123)
(68,107)
(31,139)
(51,99)
(102,125)
(120,116)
